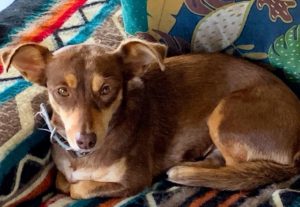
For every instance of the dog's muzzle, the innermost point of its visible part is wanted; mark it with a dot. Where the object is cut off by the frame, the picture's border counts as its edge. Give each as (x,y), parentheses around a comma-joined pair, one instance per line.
(57,138)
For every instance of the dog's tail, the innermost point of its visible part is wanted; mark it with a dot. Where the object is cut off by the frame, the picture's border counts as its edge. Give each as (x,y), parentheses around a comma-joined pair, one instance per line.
(243,176)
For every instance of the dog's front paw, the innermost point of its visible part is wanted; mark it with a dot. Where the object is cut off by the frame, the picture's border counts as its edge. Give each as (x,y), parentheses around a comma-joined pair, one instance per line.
(80,190)
(75,194)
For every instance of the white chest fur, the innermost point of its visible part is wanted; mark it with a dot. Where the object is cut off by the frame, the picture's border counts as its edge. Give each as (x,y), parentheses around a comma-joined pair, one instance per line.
(112,173)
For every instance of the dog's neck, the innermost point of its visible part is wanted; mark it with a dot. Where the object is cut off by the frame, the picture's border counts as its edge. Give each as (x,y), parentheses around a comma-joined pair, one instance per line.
(145,122)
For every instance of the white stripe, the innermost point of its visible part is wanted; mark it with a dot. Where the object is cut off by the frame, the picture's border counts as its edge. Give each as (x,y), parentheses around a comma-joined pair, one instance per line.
(5,4)
(115,18)
(150,199)
(62,202)
(277,199)
(174,188)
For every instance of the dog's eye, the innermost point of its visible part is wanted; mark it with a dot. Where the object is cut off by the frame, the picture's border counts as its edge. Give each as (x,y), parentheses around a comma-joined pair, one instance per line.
(105,90)
(63,91)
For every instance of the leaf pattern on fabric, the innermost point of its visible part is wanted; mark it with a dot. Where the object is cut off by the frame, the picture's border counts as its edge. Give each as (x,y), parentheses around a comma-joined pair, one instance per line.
(220,28)
(256,55)
(245,47)
(244,50)
(203,7)
(278,9)
(251,55)
(285,53)
(161,15)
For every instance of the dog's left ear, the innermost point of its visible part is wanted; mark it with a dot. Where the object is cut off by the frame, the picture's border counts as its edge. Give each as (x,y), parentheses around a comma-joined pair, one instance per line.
(29,58)
(138,54)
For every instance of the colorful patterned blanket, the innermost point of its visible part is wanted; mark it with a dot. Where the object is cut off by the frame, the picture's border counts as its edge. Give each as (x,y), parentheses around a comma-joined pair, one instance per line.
(26,170)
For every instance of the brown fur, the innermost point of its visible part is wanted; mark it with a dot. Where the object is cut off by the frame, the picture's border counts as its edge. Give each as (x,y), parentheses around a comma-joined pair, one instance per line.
(239,120)
(242,176)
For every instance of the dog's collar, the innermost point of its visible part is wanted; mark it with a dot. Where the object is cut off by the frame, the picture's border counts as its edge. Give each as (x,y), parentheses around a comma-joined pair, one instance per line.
(57,138)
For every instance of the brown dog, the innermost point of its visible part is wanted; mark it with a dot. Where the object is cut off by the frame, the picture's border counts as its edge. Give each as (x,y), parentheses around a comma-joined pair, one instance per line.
(138,114)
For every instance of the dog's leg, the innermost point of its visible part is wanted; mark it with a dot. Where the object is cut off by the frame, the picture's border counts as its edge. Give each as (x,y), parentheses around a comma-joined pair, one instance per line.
(255,136)
(88,189)
(61,183)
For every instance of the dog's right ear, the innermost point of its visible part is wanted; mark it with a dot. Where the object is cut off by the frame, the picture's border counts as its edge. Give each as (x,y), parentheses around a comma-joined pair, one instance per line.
(29,58)
(138,54)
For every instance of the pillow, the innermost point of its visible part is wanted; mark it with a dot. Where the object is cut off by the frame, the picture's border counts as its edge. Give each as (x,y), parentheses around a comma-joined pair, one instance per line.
(263,30)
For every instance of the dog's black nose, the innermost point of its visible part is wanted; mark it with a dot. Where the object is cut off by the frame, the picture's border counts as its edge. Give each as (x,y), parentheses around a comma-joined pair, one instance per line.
(86,141)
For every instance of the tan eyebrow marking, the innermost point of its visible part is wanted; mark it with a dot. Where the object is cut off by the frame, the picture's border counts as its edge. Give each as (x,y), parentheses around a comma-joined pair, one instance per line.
(71,80)
(97,82)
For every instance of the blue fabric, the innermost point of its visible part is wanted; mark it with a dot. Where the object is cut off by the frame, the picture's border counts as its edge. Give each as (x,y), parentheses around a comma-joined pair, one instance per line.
(135,15)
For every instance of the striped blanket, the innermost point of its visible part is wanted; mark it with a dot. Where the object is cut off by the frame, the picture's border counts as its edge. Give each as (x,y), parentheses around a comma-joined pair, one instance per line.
(26,171)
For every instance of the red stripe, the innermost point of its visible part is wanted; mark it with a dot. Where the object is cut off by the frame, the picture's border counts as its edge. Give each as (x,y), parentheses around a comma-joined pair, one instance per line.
(59,22)
(1,69)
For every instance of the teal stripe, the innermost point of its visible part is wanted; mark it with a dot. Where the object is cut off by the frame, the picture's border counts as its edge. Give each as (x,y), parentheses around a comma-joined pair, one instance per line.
(296,202)
(89,28)
(13,90)
(20,151)
(87,202)
(135,16)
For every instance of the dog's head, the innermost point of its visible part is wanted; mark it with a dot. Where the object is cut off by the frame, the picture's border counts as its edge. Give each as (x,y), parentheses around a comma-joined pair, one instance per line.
(84,83)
